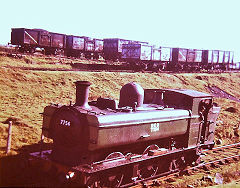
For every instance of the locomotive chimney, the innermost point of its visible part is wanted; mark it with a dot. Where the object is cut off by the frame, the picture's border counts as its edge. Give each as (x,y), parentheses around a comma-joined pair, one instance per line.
(82,92)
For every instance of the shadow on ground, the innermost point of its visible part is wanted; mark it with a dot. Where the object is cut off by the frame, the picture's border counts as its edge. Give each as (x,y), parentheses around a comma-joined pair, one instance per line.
(15,170)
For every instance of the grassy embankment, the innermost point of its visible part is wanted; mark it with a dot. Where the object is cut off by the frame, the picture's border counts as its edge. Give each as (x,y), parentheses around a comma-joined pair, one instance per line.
(24,94)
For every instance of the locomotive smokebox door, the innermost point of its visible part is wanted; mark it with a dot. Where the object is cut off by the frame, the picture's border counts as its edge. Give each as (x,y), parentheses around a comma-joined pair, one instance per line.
(47,116)
(70,135)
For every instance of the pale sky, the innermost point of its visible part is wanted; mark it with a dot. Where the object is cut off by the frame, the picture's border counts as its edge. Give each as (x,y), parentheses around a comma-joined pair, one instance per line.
(200,24)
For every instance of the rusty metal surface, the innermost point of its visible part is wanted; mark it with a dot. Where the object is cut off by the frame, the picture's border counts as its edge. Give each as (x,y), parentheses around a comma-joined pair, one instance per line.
(17,36)
(146,52)
(112,49)
(156,54)
(31,37)
(98,45)
(198,56)
(34,37)
(188,55)
(89,45)
(114,45)
(210,56)
(182,55)
(45,39)
(166,54)
(137,51)
(231,57)
(131,51)
(221,56)
(121,42)
(226,57)
(58,40)
(215,55)
(163,54)
(22,36)
(75,42)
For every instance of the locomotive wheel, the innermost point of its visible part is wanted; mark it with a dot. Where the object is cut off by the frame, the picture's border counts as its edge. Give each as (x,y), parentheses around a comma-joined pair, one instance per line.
(194,157)
(93,182)
(148,170)
(107,180)
(113,180)
(173,165)
(177,164)
(151,147)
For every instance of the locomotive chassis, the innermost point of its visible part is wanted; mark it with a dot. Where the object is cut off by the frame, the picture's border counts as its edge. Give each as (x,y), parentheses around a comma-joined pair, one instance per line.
(89,175)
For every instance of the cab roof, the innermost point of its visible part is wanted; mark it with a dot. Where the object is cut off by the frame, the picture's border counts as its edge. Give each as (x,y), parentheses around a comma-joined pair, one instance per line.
(189,92)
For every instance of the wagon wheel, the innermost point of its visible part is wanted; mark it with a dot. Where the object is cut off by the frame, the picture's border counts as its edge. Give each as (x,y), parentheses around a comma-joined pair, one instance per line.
(148,170)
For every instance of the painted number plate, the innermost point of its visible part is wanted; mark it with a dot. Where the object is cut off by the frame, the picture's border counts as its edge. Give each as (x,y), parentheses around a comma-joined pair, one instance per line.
(65,123)
(154,127)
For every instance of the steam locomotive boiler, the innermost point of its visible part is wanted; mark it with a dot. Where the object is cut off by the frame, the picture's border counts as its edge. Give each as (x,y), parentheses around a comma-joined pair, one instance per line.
(104,143)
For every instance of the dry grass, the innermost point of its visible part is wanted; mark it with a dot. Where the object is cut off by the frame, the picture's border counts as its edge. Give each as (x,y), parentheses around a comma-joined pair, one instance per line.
(24,94)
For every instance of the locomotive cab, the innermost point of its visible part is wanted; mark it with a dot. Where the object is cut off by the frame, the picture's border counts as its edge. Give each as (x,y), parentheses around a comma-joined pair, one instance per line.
(203,113)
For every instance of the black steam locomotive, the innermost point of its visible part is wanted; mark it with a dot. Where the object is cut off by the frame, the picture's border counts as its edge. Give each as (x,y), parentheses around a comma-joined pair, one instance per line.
(115,49)
(104,143)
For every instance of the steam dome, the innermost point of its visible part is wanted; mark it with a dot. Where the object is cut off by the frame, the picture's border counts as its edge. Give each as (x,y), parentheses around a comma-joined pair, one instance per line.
(131,94)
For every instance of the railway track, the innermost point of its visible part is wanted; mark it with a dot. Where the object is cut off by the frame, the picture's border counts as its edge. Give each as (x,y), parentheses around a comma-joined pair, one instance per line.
(210,159)
(108,66)
(113,69)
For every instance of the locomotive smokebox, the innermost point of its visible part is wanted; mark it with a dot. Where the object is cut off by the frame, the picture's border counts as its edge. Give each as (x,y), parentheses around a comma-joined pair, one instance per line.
(82,92)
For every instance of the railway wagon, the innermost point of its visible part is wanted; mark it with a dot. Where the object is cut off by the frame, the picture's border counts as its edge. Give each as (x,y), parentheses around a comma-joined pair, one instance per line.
(112,47)
(186,59)
(218,59)
(78,46)
(30,39)
(106,143)
(154,58)
(165,58)
(136,52)
(57,43)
